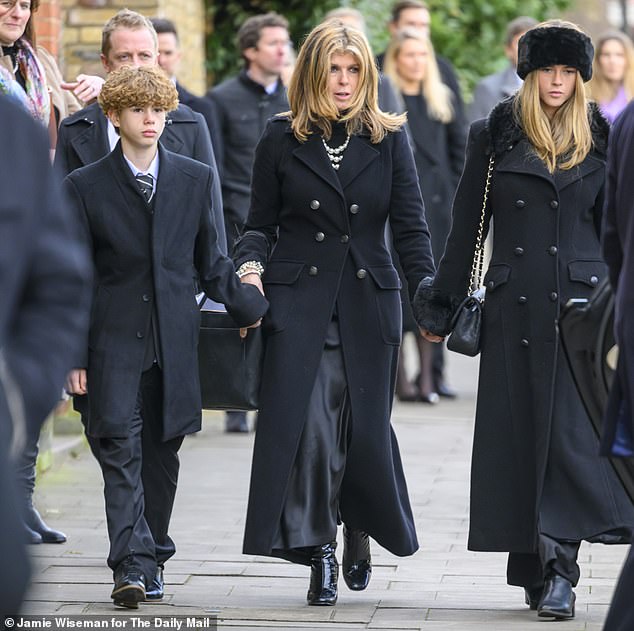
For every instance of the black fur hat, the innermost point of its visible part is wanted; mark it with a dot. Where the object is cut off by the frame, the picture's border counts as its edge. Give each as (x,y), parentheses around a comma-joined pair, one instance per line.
(554,45)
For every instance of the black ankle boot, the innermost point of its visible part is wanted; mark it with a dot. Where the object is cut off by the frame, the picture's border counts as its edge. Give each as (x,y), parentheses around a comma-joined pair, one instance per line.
(357,562)
(324,572)
(33,520)
(558,600)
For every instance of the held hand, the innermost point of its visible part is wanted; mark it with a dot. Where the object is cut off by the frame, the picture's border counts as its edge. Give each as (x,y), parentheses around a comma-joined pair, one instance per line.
(76,382)
(86,87)
(245,330)
(430,337)
(253,279)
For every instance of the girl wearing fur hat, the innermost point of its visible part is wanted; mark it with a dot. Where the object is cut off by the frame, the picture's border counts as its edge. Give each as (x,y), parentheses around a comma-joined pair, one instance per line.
(538,486)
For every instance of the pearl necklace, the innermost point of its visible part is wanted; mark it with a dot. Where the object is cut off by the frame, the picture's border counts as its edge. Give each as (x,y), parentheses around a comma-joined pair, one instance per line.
(335,154)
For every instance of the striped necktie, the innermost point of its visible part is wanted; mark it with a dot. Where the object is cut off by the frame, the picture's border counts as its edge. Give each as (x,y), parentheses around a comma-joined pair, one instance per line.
(146,184)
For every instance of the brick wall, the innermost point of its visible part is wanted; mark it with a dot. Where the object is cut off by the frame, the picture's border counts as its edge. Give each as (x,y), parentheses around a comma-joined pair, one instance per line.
(81,34)
(48,23)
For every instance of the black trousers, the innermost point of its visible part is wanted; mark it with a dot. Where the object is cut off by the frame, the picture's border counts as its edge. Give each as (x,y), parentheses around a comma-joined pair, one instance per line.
(140,473)
(554,557)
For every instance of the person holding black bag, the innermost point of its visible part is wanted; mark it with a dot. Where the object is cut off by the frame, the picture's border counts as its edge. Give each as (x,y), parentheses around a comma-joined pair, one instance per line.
(538,485)
(327,176)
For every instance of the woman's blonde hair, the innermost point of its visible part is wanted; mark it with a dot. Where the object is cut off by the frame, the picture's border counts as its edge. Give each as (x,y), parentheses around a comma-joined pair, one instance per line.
(308,95)
(438,96)
(564,141)
(600,89)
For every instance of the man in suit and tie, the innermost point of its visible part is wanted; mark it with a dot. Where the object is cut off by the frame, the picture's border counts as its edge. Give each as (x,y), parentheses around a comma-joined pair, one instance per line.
(145,212)
(495,87)
(129,39)
(169,59)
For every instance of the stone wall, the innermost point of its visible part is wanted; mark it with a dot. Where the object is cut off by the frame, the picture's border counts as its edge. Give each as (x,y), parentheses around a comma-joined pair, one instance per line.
(81,26)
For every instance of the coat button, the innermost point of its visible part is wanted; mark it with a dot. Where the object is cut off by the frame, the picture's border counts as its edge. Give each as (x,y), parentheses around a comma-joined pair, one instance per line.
(320,236)
(520,203)
(552,250)
(491,284)
(312,271)
(554,204)
(554,295)
(139,335)
(518,251)
(354,209)
(345,238)
(314,204)
(146,298)
(524,342)
(594,280)
(522,300)
(361,273)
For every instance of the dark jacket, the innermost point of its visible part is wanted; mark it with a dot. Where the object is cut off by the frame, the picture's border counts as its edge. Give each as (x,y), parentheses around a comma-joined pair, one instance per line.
(618,251)
(83,139)
(242,108)
(545,251)
(44,281)
(331,249)
(201,105)
(149,261)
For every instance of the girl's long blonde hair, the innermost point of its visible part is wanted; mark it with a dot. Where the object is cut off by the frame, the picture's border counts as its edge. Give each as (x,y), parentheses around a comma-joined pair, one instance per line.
(308,94)
(599,88)
(564,141)
(438,96)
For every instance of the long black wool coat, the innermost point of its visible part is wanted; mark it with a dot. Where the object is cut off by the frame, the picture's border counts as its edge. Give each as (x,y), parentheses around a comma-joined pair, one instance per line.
(331,249)
(529,417)
(145,261)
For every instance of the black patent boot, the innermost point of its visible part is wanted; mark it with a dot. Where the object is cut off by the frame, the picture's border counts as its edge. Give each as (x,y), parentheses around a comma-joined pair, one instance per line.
(357,562)
(558,599)
(324,572)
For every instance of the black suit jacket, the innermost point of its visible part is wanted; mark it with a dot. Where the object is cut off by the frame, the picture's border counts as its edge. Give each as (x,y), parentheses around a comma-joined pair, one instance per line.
(151,262)
(83,139)
(200,105)
(43,314)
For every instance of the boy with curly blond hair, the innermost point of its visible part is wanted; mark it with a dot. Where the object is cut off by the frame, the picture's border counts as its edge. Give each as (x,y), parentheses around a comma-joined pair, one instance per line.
(146,215)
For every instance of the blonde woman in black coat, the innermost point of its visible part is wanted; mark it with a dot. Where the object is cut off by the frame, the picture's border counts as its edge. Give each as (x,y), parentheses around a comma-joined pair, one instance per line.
(538,486)
(327,177)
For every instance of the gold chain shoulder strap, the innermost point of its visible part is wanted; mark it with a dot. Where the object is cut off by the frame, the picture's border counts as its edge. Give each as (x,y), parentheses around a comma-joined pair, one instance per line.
(475,278)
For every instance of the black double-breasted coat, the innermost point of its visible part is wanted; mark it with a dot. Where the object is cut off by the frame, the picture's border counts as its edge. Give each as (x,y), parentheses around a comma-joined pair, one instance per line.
(529,417)
(321,238)
(150,263)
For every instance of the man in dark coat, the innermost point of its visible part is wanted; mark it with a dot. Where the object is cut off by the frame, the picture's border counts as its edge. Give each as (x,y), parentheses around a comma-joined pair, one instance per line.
(43,315)
(242,106)
(618,231)
(130,39)
(145,212)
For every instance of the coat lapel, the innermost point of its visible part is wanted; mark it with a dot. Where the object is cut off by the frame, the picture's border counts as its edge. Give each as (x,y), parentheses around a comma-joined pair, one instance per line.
(92,144)
(170,139)
(313,155)
(357,157)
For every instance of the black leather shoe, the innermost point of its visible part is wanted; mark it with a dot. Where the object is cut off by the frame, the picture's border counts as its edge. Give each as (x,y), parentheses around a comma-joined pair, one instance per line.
(129,585)
(357,561)
(31,537)
(558,600)
(34,522)
(533,596)
(324,572)
(155,589)
(445,391)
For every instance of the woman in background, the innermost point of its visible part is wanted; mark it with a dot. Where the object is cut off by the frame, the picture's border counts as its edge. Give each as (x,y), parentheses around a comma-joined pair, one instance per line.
(612,83)
(438,135)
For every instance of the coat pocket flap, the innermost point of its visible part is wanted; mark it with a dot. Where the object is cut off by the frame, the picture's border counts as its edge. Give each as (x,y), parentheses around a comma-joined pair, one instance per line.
(589,272)
(282,272)
(496,275)
(385,276)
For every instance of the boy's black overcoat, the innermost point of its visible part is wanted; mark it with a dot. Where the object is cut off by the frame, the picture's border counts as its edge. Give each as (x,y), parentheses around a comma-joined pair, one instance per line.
(144,260)
(331,248)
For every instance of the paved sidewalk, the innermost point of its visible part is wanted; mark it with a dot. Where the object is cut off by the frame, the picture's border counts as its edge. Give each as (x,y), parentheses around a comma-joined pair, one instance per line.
(442,587)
